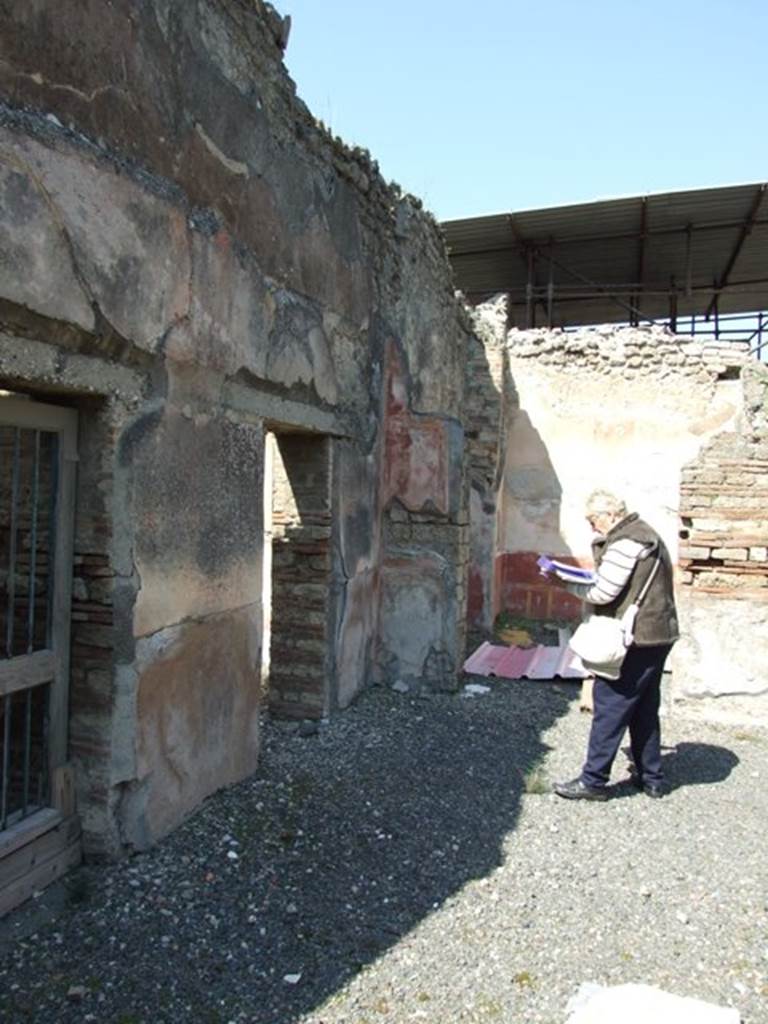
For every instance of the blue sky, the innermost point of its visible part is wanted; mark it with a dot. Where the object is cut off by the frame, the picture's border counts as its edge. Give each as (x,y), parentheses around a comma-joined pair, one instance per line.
(491,106)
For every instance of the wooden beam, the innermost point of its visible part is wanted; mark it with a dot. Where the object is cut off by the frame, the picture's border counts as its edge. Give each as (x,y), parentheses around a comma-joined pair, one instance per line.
(23,860)
(63,790)
(27,830)
(26,671)
(62,594)
(39,862)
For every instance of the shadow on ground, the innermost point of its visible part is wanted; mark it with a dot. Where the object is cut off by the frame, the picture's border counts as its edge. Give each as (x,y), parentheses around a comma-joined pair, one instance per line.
(285,886)
(690,764)
(697,764)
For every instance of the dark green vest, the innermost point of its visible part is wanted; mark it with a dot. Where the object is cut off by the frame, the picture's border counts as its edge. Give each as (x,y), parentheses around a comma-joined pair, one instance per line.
(656,621)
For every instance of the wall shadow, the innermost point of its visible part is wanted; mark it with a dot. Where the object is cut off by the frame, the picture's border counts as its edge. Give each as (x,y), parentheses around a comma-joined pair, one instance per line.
(345,841)
(515,495)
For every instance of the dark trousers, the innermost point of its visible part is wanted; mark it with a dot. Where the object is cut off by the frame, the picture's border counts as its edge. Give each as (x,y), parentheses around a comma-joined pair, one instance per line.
(629,702)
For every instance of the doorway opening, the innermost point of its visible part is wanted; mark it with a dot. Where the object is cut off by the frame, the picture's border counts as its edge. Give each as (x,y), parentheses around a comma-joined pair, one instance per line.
(297,658)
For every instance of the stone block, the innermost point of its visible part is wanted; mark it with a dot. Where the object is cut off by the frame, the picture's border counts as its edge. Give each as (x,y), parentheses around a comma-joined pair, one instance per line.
(38,269)
(712,660)
(397,513)
(695,552)
(732,554)
(706,525)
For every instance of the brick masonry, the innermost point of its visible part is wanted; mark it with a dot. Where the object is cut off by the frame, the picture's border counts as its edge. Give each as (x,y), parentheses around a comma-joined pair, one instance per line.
(297,684)
(724,531)
(723,498)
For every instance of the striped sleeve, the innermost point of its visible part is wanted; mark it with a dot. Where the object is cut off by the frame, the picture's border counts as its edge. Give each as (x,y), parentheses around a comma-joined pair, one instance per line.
(619,559)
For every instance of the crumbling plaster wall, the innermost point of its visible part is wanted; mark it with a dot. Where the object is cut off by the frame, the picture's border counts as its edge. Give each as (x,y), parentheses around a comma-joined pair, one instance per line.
(181,240)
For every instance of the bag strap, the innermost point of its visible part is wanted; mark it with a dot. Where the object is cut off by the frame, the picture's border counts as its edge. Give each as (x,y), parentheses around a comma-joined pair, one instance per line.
(646,586)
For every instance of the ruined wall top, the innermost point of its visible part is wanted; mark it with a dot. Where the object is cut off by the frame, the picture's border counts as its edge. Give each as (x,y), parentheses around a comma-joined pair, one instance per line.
(161,150)
(490,320)
(191,98)
(630,352)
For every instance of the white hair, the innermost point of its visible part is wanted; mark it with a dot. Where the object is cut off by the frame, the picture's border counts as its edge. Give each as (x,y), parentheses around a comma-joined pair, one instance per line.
(605,501)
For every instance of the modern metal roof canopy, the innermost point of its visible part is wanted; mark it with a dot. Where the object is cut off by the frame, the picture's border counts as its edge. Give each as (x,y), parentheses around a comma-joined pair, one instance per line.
(655,257)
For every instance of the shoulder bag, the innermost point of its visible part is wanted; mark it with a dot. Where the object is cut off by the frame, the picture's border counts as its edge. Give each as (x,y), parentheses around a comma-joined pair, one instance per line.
(601,641)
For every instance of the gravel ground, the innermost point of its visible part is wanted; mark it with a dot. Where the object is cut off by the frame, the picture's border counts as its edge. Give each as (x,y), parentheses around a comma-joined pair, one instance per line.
(403,864)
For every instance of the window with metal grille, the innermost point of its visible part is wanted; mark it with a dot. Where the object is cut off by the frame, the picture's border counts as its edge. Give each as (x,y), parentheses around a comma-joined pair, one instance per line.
(28,461)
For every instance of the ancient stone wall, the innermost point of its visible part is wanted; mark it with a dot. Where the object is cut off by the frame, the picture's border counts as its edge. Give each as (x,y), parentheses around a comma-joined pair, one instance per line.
(424,542)
(92,652)
(677,426)
(190,260)
(623,408)
(490,394)
(723,583)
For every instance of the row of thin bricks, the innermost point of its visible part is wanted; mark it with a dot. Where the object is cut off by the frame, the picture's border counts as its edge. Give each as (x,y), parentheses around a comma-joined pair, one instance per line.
(20,809)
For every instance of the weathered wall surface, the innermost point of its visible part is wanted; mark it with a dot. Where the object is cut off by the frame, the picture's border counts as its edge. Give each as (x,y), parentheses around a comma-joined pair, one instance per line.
(425,535)
(490,396)
(677,427)
(719,663)
(181,241)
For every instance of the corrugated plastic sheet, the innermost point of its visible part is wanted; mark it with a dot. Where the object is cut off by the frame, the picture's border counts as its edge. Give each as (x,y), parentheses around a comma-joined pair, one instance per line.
(525,662)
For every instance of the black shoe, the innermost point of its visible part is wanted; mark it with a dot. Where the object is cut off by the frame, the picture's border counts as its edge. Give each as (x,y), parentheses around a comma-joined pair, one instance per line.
(655,790)
(577,790)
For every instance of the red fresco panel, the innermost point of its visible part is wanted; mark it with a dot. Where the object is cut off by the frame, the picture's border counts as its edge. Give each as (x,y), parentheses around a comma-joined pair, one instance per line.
(475,596)
(416,456)
(539,600)
(520,589)
(565,606)
(416,462)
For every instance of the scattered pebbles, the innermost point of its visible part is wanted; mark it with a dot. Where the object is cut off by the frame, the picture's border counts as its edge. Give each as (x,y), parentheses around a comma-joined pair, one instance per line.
(406,862)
